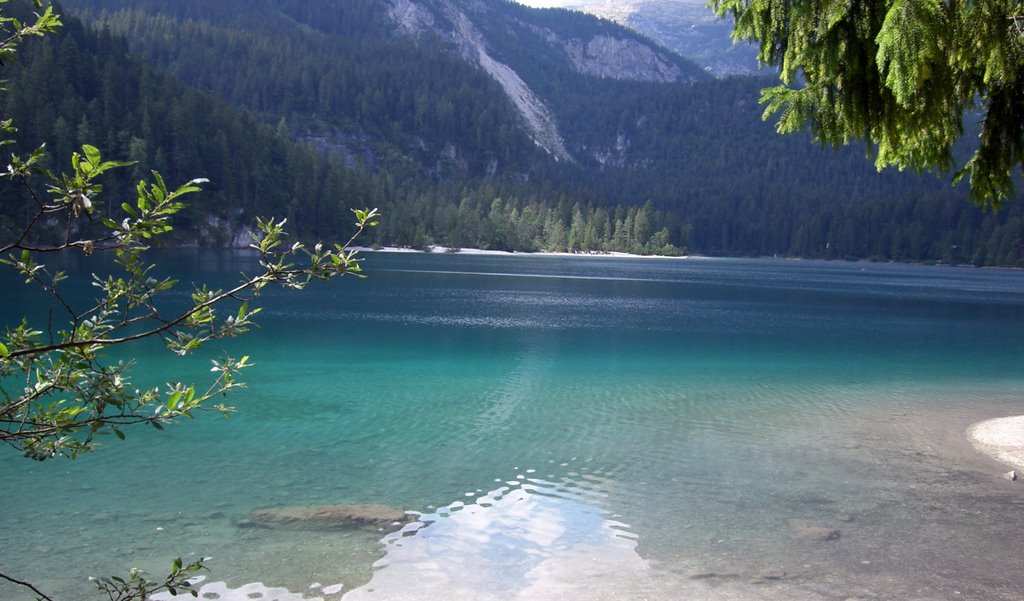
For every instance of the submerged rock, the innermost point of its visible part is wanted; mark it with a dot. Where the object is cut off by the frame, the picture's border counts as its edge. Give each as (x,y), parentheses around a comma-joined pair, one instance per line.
(811,533)
(329,517)
(769,575)
(247,523)
(714,576)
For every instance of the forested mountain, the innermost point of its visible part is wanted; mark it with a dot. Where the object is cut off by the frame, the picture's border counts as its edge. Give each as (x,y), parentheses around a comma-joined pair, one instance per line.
(476,123)
(81,87)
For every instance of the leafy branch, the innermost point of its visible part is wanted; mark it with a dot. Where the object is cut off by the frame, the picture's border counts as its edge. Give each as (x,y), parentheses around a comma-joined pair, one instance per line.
(58,392)
(137,588)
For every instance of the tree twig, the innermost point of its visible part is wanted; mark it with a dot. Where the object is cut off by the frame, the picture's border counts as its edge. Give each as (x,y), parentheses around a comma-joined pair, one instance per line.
(26,585)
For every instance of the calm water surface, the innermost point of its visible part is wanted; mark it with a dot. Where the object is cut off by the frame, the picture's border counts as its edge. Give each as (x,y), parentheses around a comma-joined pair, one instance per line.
(571,429)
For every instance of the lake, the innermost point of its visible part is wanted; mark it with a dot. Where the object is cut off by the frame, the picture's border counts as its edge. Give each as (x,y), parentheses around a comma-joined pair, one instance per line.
(568,428)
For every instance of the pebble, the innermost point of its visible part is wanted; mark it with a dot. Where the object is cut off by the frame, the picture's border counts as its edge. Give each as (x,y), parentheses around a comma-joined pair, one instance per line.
(1011,475)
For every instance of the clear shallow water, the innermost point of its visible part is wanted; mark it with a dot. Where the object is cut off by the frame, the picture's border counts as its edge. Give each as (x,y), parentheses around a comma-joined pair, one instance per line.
(605,428)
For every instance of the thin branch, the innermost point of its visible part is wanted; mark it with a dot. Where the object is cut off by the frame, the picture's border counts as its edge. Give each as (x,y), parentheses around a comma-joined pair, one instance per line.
(44,209)
(51,289)
(24,234)
(14,407)
(81,244)
(27,585)
(148,333)
(265,278)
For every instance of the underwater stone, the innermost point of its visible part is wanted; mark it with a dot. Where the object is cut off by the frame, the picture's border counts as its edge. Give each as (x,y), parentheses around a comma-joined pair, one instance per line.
(811,533)
(330,516)
(772,575)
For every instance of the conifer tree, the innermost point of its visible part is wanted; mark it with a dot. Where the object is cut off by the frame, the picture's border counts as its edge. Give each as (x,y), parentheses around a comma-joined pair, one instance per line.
(901,75)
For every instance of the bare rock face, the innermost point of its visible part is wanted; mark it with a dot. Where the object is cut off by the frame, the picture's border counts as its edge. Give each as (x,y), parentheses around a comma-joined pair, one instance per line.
(329,517)
(410,17)
(607,56)
(413,17)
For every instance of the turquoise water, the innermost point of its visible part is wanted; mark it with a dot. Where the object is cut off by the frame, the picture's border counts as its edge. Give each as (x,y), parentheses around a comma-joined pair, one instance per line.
(581,428)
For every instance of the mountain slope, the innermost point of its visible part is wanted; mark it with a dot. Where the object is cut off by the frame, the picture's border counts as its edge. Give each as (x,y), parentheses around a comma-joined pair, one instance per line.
(687,27)
(82,87)
(78,87)
(338,74)
(491,35)
(400,88)
(539,120)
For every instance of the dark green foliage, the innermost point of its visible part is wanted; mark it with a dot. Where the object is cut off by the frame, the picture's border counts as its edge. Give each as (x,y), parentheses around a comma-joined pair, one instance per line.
(78,87)
(338,75)
(504,218)
(902,75)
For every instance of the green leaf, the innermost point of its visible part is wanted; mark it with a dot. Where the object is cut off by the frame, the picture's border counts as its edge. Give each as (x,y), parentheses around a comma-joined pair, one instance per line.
(92,154)
(172,402)
(3,350)
(119,433)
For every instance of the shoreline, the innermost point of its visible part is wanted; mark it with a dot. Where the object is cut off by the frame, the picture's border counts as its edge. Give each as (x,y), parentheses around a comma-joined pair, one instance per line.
(435,249)
(1001,438)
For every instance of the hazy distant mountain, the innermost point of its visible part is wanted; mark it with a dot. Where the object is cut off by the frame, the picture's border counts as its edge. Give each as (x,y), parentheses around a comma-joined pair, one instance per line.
(687,27)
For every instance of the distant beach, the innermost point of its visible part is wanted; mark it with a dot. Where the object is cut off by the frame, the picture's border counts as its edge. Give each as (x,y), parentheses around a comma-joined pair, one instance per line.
(540,253)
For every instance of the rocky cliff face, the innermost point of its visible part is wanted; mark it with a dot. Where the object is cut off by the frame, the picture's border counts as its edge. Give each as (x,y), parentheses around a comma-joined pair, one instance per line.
(607,56)
(538,117)
(416,17)
(687,27)
(593,48)
(410,17)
